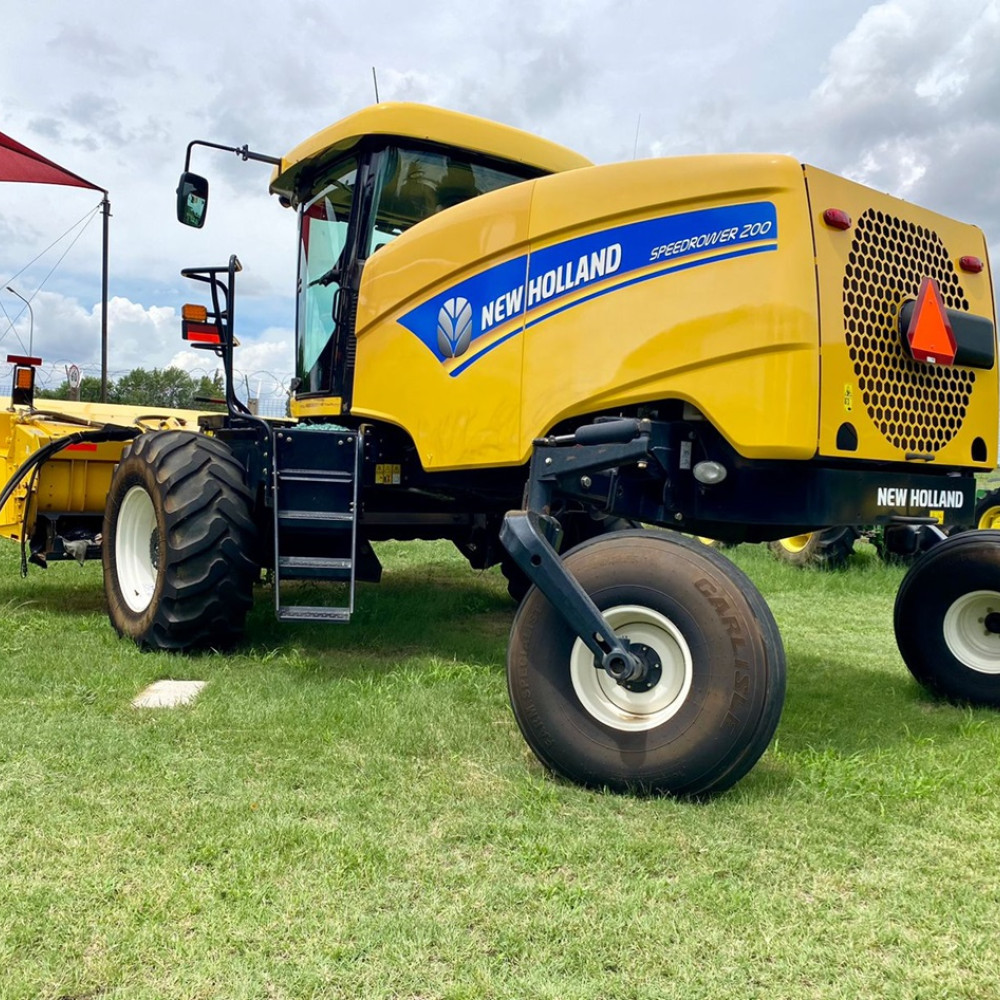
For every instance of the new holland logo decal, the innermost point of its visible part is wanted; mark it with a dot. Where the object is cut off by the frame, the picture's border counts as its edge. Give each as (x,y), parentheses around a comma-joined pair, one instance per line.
(454,328)
(481,312)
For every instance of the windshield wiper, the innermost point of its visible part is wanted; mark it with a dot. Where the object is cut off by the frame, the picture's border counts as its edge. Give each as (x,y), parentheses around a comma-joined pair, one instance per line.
(328,278)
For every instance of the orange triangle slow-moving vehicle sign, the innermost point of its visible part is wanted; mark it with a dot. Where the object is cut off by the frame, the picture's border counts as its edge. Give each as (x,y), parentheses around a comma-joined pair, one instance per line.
(929,334)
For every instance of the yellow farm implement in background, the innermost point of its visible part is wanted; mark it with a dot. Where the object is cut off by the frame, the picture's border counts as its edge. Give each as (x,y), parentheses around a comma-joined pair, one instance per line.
(57,459)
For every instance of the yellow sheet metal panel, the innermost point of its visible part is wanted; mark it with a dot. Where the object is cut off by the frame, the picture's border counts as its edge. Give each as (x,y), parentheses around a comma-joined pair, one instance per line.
(686,279)
(325,406)
(148,417)
(427,124)
(897,406)
(74,480)
(457,418)
(711,300)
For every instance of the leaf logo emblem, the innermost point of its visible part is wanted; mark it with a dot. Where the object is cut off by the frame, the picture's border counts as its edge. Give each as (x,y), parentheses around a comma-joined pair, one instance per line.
(454,327)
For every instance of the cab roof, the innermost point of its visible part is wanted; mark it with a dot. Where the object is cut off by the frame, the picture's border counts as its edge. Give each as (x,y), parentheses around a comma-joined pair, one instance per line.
(426,124)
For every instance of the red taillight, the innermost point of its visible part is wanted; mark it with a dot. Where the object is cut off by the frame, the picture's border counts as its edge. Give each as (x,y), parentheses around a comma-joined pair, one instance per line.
(837,218)
(971,264)
(201,333)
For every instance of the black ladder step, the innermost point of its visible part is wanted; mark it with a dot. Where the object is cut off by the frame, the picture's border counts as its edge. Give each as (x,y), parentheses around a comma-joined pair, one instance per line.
(315,567)
(305,613)
(315,475)
(335,516)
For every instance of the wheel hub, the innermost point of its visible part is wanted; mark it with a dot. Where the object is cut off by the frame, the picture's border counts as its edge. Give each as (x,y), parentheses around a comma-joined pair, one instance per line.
(972,630)
(652,668)
(665,681)
(137,549)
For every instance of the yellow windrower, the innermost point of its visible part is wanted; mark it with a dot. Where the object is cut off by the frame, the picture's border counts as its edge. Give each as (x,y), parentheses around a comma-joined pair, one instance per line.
(501,344)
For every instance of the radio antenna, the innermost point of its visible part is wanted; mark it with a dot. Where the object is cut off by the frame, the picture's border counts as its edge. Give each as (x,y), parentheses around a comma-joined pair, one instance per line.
(635,148)
(375,81)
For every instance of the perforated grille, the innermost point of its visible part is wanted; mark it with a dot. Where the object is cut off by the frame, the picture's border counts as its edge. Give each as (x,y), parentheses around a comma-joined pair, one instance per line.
(917,407)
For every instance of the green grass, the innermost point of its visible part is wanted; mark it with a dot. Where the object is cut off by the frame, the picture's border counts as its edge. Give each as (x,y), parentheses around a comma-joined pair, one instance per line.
(351,812)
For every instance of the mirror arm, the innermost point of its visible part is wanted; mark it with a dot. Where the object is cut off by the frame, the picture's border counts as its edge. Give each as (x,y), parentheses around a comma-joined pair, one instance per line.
(244,152)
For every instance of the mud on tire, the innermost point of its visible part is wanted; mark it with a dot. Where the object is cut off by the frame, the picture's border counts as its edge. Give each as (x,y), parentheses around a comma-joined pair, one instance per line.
(180,544)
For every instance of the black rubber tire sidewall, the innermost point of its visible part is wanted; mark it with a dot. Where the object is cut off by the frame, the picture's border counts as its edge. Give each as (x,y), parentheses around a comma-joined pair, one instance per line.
(207,542)
(737,691)
(957,566)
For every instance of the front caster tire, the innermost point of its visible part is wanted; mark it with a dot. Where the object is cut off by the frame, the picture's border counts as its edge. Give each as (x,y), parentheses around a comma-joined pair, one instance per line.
(947,618)
(717,689)
(179,543)
(826,549)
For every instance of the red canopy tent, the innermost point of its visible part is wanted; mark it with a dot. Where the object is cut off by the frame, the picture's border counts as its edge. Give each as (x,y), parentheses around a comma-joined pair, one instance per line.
(24,166)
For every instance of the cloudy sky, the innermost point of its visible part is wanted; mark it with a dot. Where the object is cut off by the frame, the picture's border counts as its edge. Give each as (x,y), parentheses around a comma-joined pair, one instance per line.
(903,95)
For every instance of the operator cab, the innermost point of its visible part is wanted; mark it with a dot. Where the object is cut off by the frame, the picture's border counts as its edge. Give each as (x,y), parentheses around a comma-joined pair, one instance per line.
(359,184)
(363,181)
(349,209)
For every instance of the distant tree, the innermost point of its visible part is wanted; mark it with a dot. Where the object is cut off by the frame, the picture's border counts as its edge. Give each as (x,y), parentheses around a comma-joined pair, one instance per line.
(90,390)
(167,387)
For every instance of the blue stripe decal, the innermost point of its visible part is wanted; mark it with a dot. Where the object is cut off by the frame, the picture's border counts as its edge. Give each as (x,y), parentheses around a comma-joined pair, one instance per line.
(604,291)
(470,317)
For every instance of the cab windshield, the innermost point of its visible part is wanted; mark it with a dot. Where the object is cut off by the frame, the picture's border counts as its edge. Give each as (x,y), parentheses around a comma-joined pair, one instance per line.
(404,186)
(322,241)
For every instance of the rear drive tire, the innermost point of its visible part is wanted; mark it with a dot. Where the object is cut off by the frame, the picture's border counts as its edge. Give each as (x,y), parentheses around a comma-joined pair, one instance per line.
(715,701)
(180,543)
(826,549)
(947,618)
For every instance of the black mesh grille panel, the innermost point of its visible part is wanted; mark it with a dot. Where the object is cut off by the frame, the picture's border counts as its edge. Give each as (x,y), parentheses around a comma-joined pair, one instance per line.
(918,407)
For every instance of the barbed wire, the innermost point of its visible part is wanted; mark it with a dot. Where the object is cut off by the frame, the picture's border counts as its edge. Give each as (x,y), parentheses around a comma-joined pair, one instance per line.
(273,389)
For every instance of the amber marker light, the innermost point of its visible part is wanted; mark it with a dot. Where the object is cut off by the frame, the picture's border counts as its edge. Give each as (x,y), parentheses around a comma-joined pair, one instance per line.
(194,314)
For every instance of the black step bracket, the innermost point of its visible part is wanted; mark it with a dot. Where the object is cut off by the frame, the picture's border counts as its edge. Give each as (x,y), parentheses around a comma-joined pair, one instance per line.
(524,536)
(569,463)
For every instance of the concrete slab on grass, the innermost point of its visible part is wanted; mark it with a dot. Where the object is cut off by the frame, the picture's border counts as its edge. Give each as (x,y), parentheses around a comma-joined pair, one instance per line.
(168,694)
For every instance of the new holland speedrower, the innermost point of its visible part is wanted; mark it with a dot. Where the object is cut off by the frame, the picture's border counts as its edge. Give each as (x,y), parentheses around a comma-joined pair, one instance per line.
(499,343)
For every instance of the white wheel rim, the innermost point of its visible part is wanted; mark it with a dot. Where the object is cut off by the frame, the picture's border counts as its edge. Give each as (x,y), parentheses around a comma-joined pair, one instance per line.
(134,538)
(969,630)
(618,707)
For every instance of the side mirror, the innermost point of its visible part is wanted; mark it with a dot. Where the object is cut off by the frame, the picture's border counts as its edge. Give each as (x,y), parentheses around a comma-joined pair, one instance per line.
(192,200)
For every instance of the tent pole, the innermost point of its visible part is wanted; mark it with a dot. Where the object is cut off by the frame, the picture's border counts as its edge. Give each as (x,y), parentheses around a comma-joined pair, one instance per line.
(106,210)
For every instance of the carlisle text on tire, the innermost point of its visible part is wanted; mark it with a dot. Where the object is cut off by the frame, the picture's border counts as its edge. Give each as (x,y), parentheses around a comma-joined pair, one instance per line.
(179,543)
(947,618)
(716,686)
